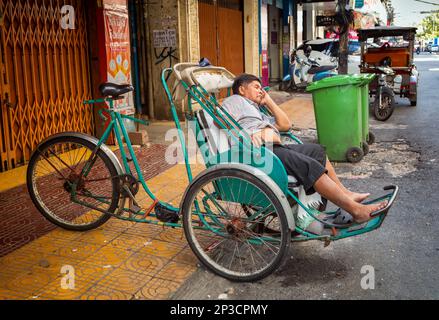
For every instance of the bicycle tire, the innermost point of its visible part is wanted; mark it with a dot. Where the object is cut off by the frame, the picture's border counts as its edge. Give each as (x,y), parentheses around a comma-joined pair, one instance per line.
(216,266)
(42,204)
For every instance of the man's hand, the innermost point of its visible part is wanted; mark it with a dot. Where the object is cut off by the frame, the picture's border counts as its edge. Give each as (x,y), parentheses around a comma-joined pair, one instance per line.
(257,139)
(265,98)
(266,135)
(282,121)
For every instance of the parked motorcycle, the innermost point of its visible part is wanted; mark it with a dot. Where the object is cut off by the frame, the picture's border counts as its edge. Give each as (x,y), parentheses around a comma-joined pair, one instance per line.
(303,71)
(384,103)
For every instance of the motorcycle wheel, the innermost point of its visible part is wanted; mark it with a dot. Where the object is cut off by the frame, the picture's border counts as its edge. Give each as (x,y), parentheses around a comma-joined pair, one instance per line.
(371,138)
(383,111)
(365,147)
(284,85)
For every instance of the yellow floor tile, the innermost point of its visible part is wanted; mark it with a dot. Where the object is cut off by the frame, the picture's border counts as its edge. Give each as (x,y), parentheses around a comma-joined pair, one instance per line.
(40,274)
(105,293)
(60,233)
(169,194)
(48,245)
(144,263)
(176,201)
(79,250)
(21,260)
(116,225)
(144,230)
(177,272)
(175,236)
(98,236)
(54,291)
(109,256)
(162,249)
(130,242)
(157,289)
(186,256)
(12,295)
(12,178)
(29,282)
(125,281)
(145,202)
(84,275)
(158,182)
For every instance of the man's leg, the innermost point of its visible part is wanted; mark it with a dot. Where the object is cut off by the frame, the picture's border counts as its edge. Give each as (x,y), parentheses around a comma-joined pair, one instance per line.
(359,197)
(329,189)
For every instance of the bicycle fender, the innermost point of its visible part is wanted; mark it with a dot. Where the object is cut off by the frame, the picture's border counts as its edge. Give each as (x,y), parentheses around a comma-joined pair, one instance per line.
(94,141)
(261,176)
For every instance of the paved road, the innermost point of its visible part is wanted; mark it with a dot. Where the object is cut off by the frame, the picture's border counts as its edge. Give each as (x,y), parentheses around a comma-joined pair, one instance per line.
(404,252)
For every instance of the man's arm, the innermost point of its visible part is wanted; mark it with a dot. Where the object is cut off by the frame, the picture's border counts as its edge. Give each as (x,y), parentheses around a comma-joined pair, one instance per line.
(282,121)
(266,135)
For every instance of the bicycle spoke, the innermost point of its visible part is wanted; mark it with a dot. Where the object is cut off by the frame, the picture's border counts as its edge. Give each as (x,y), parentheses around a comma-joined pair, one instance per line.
(241,234)
(62,194)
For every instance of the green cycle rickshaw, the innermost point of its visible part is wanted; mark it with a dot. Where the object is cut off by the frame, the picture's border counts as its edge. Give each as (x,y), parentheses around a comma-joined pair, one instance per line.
(239,214)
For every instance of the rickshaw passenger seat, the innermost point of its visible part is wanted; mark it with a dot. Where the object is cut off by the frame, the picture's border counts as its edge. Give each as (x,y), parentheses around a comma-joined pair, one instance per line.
(218,141)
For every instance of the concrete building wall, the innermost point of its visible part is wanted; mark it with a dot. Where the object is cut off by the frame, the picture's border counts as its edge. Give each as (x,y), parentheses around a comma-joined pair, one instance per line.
(299,25)
(189,26)
(274,42)
(251,37)
(310,24)
(182,16)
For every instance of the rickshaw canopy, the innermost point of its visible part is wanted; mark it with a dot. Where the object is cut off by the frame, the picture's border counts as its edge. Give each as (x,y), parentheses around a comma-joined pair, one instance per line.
(408,33)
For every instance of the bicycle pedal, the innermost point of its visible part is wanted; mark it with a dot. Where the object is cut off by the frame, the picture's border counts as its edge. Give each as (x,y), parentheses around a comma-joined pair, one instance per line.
(166,215)
(135,208)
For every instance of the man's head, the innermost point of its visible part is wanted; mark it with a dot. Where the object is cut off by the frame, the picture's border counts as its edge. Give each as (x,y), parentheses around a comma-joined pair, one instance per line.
(248,86)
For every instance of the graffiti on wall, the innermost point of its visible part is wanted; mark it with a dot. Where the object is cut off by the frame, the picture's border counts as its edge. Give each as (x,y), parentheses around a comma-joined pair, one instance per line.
(165,46)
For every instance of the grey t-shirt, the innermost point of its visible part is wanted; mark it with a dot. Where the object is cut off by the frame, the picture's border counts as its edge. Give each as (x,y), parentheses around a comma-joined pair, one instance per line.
(247,114)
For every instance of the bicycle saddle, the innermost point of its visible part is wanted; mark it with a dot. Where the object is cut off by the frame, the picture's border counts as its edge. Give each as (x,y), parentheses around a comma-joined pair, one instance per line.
(114,90)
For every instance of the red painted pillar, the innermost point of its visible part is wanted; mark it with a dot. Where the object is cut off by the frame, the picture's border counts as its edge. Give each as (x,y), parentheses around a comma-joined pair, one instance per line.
(114,49)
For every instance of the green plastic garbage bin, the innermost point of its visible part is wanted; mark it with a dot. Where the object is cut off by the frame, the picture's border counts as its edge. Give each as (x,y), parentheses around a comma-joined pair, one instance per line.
(368,137)
(338,112)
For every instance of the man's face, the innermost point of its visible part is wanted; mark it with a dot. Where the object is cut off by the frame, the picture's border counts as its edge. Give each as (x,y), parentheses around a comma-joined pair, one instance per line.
(252,91)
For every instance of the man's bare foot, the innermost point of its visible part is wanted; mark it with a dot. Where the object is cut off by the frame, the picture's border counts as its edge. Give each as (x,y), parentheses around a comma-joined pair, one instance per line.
(358,197)
(362,214)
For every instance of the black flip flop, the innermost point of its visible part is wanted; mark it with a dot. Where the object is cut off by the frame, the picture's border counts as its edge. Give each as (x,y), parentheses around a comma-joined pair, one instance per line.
(342,218)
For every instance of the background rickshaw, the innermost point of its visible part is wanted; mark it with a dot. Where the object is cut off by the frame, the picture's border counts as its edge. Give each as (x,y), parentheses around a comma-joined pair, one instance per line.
(393,61)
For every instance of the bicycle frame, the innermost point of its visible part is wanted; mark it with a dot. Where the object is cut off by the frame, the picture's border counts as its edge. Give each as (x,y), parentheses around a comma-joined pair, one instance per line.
(117,126)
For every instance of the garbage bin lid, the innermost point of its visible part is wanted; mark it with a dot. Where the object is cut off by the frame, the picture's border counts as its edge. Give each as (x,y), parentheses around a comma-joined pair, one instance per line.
(366,78)
(335,81)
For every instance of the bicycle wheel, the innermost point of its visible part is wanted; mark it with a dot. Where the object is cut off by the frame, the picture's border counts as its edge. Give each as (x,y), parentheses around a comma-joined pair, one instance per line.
(235,224)
(64,196)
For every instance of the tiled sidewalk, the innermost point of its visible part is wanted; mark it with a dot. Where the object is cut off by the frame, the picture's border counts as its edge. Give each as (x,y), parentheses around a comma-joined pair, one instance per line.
(119,260)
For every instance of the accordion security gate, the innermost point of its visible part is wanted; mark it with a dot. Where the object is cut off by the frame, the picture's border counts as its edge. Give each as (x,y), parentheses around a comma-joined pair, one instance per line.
(44,73)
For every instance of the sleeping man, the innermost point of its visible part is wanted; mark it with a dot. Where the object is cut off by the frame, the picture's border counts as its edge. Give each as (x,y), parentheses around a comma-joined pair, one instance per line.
(307,163)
